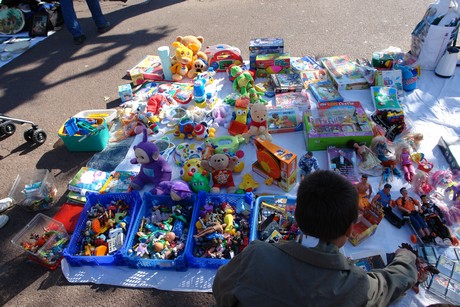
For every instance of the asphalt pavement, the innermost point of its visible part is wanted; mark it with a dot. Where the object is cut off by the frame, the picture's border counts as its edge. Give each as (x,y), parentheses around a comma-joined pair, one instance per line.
(56,79)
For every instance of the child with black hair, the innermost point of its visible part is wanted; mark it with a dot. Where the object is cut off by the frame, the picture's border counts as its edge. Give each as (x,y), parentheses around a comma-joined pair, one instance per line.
(313,272)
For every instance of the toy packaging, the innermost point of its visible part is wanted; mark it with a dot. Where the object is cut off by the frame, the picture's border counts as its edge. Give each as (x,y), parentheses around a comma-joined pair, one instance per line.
(273,63)
(388,112)
(368,221)
(264,46)
(391,78)
(325,92)
(88,180)
(313,76)
(343,161)
(126,92)
(118,182)
(305,63)
(149,67)
(284,119)
(276,164)
(283,83)
(298,100)
(344,73)
(336,123)
(450,148)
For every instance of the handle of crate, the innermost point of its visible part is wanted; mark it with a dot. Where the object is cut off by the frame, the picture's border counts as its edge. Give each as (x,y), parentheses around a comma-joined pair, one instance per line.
(95,131)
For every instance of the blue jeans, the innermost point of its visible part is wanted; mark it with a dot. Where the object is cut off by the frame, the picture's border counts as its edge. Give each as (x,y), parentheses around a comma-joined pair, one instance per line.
(70,18)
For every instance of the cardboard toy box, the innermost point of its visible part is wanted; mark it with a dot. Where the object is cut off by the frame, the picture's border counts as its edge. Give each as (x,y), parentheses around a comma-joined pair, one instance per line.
(276,163)
(368,221)
(335,124)
(273,63)
(344,73)
(450,148)
(264,46)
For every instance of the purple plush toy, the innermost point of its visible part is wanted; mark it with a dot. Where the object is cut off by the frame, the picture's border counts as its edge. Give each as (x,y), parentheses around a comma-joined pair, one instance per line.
(178,189)
(154,168)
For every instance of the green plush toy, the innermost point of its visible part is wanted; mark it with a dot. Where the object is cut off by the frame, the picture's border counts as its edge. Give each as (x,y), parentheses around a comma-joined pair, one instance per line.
(243,80)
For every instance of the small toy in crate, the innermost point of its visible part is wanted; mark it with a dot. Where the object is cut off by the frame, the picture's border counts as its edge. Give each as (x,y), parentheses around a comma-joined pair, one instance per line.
(159,234)
(34,191)
(44,239)
(275,220)
(104,223)
(220,228)
(368,220)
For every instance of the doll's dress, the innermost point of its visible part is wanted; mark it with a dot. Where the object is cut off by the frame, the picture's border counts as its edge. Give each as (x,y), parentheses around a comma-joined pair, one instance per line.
(370,164)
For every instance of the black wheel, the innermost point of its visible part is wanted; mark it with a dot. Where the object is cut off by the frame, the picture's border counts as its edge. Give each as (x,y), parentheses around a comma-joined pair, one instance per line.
(39,136)
(8,129)
(28,135)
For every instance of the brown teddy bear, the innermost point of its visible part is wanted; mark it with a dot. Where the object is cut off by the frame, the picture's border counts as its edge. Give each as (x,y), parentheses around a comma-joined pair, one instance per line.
(194,43)
(221,168)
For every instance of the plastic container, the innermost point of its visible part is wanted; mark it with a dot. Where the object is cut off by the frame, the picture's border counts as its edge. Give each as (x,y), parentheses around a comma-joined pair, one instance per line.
(73,253)
(243,205)
(286,204)
(34,191)
(43,238)
(107,114)
(90,142)
(149,201)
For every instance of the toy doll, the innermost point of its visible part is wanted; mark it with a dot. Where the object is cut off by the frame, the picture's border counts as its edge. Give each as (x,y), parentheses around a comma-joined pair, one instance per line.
(404,158)
(369,164)
(379,145)
(421,183)
(307,164)
(413,139)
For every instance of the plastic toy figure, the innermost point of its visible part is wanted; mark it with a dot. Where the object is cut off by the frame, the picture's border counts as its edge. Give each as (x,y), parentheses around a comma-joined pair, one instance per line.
(384,197)
(307,164)
(403,156)
(213,227)
(365,192)
(370,163)
(421,183)
(435,219)
(413,140)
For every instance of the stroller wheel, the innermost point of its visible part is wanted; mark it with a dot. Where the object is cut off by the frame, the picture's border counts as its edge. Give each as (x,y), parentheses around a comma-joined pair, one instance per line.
(39,136)
(28,135)
(8,129)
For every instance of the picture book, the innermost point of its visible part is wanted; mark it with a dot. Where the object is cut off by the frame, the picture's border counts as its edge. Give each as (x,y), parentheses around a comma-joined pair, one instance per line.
(343,161)
(392,78)
(151,68)
(76,197)
(325,92)
(118,182)
(299,100)
(385,98)
(88,180)
(313,76)
(283,83)
(282,120)
(304,63)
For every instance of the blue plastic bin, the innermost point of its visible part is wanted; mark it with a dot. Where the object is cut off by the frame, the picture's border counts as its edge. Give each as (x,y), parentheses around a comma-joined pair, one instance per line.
(149,201)
(238,202)
(134,201)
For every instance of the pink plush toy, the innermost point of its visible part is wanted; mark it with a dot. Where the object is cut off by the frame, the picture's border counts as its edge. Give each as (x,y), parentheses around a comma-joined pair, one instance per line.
(154,168)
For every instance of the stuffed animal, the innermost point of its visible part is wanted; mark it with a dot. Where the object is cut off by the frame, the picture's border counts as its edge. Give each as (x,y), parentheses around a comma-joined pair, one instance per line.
(184,58)
(198,66)
(177,189)
(194,43)
(200,182)
(154,168)
(258,125)
(221,168)
(243,80)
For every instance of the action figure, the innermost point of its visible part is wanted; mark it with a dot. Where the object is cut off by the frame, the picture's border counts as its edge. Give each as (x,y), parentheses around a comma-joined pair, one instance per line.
(307,164)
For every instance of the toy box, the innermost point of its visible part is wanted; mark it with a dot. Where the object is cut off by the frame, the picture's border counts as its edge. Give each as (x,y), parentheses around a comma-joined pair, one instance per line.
(221,56)
(275,163)
(336,123)
(96,140)
(273,63)
(313,76)
(100,235)
(264,46)
(275,219)
(391,78)
(208,251)
(343,161)
(388,112)
(157,210)
(368,221)
(325,92)
(284,119)
(450,148)
(34,191)
(299,100)
(344,73)
(44,239)
(283,83)
(126,92)
(305,63)
(148,68)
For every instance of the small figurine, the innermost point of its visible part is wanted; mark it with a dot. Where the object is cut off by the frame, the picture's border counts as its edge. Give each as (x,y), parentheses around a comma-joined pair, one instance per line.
(435,219)
(365,192)
(413,139)
(421,183)
(307,164)
(258,125)
(403,156)
(213,227)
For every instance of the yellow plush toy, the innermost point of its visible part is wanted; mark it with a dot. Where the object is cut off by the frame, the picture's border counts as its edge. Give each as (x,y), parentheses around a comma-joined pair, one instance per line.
(184,58)
(194,43)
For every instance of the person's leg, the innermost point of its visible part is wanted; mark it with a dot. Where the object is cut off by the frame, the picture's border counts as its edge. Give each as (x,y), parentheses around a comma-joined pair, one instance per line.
(96,12)
(70,18)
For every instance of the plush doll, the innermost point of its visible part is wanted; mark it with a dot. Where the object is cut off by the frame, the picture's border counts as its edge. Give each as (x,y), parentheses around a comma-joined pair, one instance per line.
(184,57)
(194,43)
(154,168)
(177,189)
(198,66)
(258,125)
(221,168)
(243,80)
(200,182)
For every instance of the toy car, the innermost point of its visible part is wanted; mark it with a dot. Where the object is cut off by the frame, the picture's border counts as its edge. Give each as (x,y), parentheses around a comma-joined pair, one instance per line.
(32,135)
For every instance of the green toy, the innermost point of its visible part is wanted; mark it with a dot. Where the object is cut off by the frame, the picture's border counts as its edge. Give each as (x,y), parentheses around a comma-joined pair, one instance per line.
(243,80)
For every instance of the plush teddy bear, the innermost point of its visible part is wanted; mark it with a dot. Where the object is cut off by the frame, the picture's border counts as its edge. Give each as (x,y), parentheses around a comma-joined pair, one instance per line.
(194,43)
(258,124)
(221,168)
(154,168)
(184,59)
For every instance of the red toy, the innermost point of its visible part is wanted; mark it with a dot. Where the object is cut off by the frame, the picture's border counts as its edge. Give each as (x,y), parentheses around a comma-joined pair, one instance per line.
(222,56)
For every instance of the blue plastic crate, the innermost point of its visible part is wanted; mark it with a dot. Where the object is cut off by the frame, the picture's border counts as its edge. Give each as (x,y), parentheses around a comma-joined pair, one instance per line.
(134,201)
(239,202)
(149,201)
(270,199)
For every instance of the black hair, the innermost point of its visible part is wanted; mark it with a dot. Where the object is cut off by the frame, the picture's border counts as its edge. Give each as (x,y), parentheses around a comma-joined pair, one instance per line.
(364,176)
(402,189)
(327,204)
(309,153)
(423,195)
(387,186)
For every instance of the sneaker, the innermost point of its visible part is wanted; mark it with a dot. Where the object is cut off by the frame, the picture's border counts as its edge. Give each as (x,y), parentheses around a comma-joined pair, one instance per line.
(6,203)
(105,28)
(3,220)
(79,39)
